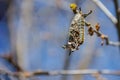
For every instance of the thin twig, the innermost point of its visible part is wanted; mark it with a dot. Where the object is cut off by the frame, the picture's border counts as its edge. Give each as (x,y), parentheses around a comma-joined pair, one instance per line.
(101,35)
(116,4)
(61,72)
(10,59)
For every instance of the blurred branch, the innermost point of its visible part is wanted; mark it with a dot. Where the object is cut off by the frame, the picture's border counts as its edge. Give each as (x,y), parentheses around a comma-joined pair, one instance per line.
(68,58)
(98,77)
(23,32)
(116,4)
(87,57)
(4,6)
(104,37)
(105,10)
(61,72)
(10,59)
(66,63)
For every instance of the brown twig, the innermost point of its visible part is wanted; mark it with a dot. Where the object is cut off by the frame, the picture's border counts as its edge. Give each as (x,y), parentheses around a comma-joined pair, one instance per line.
(61,72)
(104,37)
(9,58)
(114,20)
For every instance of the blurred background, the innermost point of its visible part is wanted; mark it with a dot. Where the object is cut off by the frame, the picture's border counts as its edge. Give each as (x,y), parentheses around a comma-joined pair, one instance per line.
(34,31)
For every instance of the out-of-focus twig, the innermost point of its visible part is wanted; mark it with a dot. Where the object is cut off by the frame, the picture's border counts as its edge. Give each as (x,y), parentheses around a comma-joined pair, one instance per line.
(98,77)
(23,32)
(105,10)
(61,72)
(118,17)
(10,59)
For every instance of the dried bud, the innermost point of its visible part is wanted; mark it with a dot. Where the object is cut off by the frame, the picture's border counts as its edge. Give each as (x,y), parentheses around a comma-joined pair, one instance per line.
(90,31)
(97,27)
(103,36)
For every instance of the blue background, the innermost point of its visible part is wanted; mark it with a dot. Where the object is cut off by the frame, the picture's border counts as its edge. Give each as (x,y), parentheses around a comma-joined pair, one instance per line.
(51,20)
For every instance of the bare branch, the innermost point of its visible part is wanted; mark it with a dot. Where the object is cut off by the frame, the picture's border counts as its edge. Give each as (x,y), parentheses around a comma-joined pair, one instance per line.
(98,77)
(116,4)
(10,59)
(61,72)
(105,10)
(104,37)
